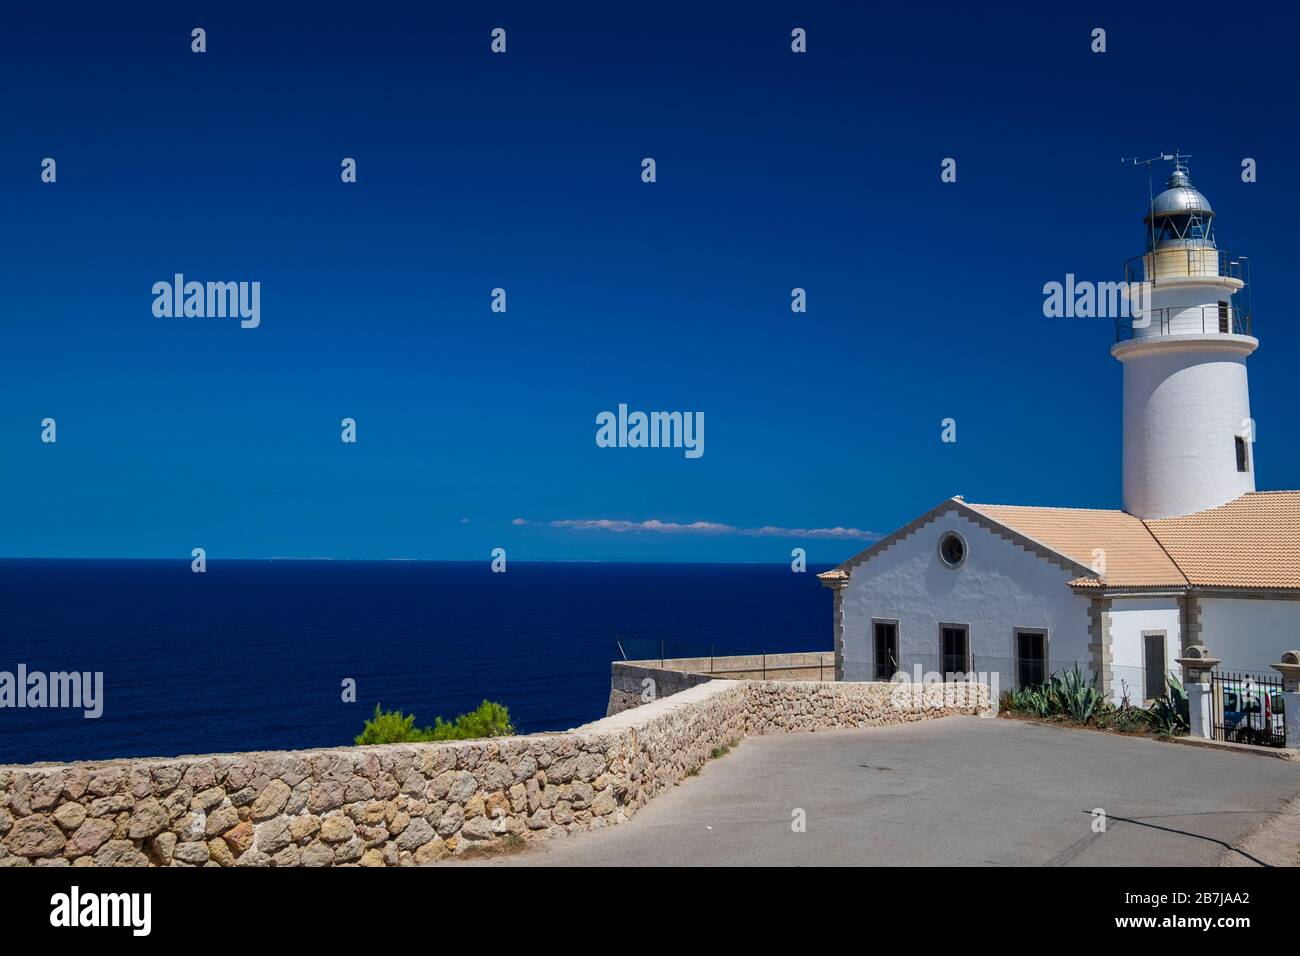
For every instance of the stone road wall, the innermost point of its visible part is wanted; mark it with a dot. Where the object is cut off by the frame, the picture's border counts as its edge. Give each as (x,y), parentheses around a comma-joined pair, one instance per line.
(627,684)
(628,687)
(406,804)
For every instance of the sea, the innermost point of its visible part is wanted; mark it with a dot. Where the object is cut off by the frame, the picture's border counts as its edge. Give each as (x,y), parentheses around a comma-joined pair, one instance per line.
(256,655)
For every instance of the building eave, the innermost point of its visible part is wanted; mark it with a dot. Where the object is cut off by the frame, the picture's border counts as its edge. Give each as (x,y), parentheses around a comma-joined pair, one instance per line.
(1099,589)
(1239,592)
(834,578)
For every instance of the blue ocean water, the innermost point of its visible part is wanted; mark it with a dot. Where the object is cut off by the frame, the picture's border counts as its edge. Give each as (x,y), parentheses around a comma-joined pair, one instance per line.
(251,655)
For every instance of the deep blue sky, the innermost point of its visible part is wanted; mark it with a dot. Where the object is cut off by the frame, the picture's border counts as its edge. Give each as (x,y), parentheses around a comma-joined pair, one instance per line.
(523,171)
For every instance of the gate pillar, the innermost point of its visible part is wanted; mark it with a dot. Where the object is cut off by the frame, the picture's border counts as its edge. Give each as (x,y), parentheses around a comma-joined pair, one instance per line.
(1197,665)
(1289,667)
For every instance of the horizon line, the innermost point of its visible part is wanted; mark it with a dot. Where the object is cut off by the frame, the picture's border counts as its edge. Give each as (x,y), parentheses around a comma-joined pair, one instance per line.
(188,559)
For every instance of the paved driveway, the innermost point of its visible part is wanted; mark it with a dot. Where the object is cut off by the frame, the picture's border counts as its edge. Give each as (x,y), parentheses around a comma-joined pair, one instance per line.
(960,791)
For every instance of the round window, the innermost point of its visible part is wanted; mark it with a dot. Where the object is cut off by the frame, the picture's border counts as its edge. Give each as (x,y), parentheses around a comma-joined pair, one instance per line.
(952,549)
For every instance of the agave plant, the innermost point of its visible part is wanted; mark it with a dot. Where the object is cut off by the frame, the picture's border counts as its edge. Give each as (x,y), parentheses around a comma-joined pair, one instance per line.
(1075,697)
(1027,700)
(1069,695)
(1169,715)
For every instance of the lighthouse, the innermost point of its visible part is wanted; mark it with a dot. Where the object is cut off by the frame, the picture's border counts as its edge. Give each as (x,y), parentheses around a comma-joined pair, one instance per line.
(1197,556)
(1188,434)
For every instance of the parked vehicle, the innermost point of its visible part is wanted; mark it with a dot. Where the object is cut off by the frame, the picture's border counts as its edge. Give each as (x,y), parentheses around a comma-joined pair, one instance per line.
(1253,714)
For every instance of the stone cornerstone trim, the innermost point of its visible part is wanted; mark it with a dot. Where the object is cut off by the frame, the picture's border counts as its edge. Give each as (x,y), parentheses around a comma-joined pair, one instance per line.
(836,581)
(1189,621)
(837,610)
(407,804)
(1099,647)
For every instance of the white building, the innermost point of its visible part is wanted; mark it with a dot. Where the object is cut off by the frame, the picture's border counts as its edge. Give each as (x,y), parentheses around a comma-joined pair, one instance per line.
(1196,556)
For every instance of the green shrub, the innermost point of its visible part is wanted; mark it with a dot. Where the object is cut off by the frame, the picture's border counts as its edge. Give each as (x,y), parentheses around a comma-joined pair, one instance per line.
(390,727)
(1126,719)
(489,719)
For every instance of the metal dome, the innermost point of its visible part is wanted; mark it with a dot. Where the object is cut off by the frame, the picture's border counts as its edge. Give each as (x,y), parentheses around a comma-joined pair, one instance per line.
(1180,198)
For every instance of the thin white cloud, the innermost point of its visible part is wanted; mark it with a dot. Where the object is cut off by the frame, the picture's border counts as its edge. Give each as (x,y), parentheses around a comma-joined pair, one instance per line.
(520,521)
(710,527)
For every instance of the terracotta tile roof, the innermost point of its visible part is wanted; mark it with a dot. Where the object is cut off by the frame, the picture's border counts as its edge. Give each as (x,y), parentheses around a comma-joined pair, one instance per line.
(1252,542)
(1132,555)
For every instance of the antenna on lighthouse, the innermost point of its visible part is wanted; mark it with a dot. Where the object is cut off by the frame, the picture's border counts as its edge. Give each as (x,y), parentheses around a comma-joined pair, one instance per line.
(1151,195)
(1178,158)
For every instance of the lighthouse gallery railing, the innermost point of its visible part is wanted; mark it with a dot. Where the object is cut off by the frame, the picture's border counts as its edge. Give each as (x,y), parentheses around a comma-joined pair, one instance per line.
(1191,320)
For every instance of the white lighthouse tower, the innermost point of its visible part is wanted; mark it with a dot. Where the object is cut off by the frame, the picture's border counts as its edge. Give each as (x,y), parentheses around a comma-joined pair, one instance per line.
(1188,434)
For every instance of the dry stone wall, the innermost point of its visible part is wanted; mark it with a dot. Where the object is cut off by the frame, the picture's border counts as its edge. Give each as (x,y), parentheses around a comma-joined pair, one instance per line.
(627,684)
(409,804)
(629,680)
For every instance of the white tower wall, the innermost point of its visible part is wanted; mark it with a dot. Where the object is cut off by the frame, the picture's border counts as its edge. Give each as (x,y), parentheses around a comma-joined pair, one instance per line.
(1185,403)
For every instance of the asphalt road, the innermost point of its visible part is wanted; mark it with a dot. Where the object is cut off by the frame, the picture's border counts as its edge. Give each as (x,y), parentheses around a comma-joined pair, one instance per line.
(960,791)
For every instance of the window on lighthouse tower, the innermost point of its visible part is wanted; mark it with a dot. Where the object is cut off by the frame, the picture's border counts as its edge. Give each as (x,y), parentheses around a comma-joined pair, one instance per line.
(1243,454)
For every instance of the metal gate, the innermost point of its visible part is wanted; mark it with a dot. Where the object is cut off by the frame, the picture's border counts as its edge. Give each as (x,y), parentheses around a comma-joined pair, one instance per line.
(1248,709)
